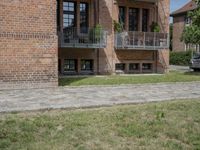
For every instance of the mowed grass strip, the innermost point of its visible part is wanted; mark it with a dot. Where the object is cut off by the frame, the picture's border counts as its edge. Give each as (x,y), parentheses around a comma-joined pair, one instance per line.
(171,125)
(137,79)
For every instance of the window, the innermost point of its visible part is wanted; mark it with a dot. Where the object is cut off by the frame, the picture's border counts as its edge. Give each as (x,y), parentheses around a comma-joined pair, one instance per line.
(59,66)
(86,65)
(196,56)
(134,66)
(69,13)
(188,20)
(120,66)
(145,19)
(122,16)
(146,66)
(83,17)
(70,65)
(133,19)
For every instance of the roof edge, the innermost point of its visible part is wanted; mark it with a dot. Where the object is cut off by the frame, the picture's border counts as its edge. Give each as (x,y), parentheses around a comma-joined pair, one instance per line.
(185,8)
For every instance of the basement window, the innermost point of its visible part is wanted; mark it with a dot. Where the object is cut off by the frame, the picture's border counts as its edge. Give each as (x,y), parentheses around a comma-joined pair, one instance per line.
(87,65)
(70,65)
(147,66)
(134,66)
(120,66)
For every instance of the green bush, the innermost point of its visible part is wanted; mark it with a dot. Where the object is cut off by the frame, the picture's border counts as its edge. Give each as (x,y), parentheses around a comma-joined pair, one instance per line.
(155,27)
(118,27)
(96,33)
(180,58)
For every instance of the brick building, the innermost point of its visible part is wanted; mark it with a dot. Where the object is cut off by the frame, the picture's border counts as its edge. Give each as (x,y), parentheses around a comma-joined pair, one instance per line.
(180,20)
(41,39)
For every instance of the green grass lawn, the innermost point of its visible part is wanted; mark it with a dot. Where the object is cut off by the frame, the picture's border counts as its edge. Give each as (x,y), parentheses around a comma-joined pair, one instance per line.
(171,125)
(116,80)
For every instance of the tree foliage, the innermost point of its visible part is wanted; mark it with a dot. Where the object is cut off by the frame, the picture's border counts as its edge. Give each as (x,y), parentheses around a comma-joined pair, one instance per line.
(191,34)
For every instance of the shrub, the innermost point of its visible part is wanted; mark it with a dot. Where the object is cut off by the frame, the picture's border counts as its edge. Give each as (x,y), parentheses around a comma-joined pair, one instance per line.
(96,33)
(155,27)
(180,58)
(118,27)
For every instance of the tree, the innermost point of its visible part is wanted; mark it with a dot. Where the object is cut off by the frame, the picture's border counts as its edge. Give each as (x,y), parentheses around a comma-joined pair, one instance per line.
(191,34)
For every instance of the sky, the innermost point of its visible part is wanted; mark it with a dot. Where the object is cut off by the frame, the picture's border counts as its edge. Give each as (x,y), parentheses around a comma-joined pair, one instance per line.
(176,4)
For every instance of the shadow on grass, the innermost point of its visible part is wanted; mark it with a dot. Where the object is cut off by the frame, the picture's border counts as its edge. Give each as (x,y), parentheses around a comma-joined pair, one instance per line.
(69,80)
(192,73)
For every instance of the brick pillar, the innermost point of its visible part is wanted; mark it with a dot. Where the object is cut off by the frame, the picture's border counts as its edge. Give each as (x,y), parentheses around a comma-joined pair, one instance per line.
(140,67)
(29,44)
(79,65)
(126,67)
(163,19)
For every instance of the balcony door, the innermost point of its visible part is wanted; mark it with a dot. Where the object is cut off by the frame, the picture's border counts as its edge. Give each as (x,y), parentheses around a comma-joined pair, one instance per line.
(145,20)
(69,15)
(122,16)
(84,17)
(133,19)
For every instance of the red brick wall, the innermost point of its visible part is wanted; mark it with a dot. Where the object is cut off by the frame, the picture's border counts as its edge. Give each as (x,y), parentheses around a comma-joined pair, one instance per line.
(28,53)
(178,27)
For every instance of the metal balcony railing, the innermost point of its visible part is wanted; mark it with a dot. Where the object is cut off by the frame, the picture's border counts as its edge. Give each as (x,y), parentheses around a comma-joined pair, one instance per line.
(150,1)
(83,38)
(141,40)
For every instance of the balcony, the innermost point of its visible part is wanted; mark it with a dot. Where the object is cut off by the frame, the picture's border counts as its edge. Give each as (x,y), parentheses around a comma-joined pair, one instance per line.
(141,40)
(87,38)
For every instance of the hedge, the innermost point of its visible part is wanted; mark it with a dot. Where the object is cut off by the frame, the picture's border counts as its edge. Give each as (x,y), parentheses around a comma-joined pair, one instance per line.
(180,58)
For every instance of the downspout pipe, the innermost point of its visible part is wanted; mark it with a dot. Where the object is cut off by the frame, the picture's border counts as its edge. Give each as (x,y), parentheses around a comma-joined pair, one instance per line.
(96,21)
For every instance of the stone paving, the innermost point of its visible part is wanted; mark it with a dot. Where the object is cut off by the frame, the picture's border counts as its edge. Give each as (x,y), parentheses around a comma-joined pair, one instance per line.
(94,96)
